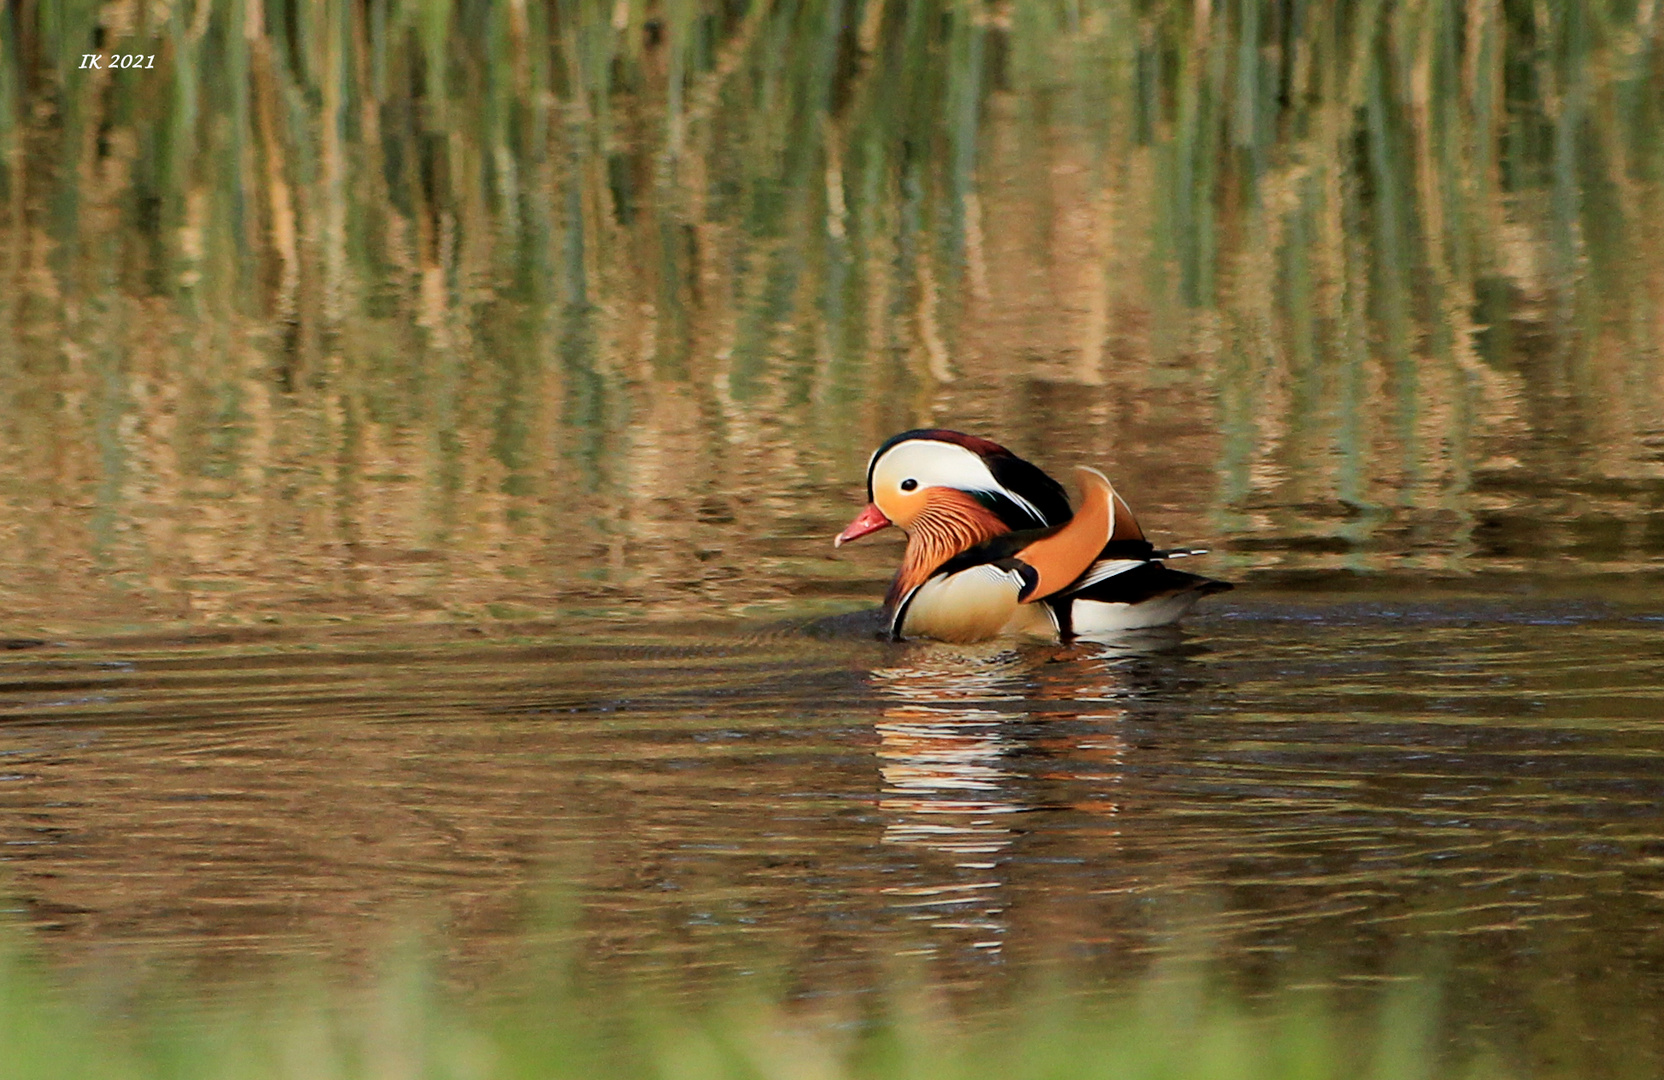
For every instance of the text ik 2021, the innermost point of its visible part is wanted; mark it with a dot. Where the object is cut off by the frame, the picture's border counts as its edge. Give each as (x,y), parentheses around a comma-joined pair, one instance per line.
(100,62)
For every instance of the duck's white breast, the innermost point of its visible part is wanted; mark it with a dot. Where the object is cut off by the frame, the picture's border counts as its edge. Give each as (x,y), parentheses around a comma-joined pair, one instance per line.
(972,605)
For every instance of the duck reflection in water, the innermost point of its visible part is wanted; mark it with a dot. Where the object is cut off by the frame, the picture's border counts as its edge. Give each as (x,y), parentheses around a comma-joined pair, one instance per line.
(973,736)
(940,747)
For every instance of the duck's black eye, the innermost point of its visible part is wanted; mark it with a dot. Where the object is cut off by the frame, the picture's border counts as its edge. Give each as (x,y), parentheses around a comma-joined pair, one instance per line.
(909,484)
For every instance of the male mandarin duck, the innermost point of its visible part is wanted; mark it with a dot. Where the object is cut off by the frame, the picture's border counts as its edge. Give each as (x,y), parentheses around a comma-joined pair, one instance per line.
(993,547)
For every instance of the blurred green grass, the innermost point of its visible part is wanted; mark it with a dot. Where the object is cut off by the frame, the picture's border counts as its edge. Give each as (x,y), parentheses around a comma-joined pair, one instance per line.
(1172,1025)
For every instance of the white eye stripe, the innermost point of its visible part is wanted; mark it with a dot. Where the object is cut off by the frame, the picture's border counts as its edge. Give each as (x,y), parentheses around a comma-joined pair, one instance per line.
(933,464)
(929,463)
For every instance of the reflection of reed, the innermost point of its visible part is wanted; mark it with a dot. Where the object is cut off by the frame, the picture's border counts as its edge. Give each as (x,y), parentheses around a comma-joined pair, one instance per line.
(383,308)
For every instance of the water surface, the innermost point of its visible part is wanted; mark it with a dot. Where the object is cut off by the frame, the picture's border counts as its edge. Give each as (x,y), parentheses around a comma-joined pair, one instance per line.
(1334,791)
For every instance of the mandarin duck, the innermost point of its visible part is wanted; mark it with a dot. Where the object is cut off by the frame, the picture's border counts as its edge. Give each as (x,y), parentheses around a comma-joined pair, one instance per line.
(994,548)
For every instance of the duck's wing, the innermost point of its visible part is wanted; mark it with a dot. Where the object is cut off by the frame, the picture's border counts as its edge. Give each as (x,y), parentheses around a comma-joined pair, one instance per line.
(1123,525)
(1059,556)
(1126,537)
(1143,595)
(1127,586)
(1128,582)
(1128,567)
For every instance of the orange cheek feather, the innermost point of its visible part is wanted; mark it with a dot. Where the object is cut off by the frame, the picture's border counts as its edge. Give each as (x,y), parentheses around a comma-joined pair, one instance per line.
(904,507)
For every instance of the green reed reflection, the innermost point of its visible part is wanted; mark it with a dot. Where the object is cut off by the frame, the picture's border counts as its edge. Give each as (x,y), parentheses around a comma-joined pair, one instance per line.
(426,306)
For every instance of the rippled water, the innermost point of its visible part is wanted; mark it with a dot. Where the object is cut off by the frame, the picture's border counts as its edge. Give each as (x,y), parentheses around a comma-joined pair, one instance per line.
(1329,790)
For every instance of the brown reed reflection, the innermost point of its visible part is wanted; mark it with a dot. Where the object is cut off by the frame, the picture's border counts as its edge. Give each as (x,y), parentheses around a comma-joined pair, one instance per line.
(351,309)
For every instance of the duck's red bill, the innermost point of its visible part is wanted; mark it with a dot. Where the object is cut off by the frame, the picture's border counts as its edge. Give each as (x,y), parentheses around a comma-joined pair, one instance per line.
(867,521)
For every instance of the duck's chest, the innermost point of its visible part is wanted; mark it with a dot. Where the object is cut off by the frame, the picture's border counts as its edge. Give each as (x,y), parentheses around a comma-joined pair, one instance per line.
(973,605)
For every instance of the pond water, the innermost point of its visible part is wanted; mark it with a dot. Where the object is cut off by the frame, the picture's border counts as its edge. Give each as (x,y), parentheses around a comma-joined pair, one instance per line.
(423,431)
(1335,790)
